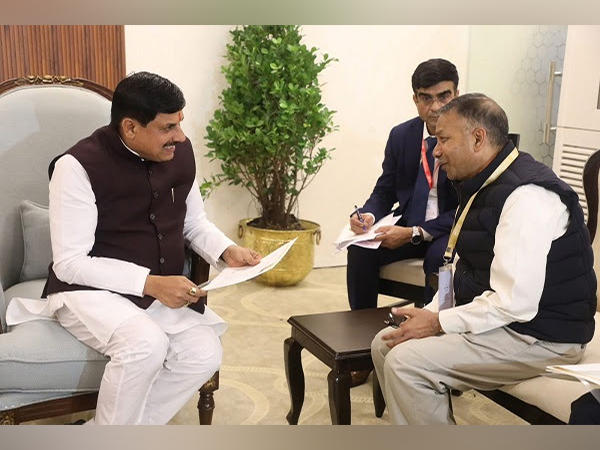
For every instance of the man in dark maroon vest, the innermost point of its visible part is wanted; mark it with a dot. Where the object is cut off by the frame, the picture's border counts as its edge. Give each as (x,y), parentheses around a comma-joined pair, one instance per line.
(124,203)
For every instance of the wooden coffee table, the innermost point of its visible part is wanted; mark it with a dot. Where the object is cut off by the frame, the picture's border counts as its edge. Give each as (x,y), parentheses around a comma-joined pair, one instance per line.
(341,340)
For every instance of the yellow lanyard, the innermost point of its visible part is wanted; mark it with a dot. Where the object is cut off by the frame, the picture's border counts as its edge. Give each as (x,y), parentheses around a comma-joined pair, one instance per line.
(458,224)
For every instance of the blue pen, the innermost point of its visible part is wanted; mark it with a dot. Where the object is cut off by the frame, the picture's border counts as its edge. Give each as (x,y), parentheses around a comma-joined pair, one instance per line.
(360,217)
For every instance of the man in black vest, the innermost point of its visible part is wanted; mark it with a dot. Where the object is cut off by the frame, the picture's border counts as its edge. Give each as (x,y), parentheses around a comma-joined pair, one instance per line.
(524,285)
(124,202)
(426,199)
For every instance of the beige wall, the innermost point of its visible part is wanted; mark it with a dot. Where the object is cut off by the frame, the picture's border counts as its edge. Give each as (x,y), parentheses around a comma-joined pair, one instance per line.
(369,87)
(510,63)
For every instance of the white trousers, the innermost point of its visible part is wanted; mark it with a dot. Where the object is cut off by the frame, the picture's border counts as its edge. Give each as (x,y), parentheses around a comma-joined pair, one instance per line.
(151,374)
(416,376)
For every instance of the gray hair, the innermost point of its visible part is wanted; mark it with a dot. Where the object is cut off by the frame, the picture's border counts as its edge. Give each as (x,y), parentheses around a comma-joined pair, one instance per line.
(481,111)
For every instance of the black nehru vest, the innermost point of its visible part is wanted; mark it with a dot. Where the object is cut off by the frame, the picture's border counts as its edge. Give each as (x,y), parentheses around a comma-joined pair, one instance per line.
(568,303)
(141,207)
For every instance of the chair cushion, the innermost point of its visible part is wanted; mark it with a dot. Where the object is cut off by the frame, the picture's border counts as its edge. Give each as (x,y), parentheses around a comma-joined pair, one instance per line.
(37,248)
(41,356)
(409,271)
(554,395)
(27,289)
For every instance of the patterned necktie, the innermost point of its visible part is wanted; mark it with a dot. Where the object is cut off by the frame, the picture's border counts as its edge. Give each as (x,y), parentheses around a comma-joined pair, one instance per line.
(415,213)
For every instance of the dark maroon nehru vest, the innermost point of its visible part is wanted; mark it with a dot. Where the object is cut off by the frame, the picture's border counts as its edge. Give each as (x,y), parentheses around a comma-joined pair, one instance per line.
(141,207)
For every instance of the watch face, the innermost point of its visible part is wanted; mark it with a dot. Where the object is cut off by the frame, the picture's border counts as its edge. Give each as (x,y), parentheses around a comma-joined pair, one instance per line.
(416,237)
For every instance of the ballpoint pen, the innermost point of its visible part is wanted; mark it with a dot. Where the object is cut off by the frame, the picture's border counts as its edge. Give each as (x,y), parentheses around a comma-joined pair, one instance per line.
(360,217)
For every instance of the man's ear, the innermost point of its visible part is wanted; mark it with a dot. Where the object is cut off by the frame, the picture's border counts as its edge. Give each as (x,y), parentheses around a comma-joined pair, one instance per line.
(128,128)
(415,98)
(480,135)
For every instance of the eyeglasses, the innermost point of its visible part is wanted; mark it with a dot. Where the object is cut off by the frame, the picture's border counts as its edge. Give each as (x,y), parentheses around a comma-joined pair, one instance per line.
(394,321)
(441,98)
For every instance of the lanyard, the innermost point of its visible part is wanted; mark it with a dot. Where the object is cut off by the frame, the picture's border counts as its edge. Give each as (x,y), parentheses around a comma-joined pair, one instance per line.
(425,163)
(458,224)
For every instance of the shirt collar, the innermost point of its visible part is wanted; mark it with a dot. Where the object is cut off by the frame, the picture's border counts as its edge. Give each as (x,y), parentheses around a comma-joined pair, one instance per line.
(426,132)
(125,145)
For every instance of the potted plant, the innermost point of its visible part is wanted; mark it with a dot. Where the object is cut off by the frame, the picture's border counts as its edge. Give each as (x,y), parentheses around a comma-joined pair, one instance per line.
(266,135)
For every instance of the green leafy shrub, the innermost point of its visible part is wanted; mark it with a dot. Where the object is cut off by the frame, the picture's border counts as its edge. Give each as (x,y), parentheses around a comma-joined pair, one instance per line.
(271,120)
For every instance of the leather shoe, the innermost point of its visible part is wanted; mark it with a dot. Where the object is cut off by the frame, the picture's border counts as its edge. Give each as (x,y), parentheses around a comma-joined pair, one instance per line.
(77,422)
(358,377)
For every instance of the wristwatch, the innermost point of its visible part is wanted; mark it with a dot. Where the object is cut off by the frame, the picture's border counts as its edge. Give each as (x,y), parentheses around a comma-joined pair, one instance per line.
(417,237)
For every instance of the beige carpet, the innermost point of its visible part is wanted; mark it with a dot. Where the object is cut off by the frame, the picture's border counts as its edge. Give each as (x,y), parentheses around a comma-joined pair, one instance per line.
(253,389)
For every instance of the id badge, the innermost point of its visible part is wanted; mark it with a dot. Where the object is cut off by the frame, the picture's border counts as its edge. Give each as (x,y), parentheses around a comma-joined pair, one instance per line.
(445,288)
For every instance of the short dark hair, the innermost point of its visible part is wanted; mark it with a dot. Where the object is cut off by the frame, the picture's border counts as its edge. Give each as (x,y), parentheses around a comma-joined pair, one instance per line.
(480,110)
(143,95)
(432,72)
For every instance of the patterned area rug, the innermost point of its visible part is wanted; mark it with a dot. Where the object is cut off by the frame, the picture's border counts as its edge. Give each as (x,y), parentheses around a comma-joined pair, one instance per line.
(253,388)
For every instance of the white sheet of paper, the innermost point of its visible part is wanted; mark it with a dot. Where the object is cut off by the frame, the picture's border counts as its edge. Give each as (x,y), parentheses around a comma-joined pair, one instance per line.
(348,237)
(588,372)
(234,275)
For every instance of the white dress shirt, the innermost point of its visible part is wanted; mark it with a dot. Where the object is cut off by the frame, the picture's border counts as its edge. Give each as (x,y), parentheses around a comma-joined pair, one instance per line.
(532,217)
(433,209)
(73,220)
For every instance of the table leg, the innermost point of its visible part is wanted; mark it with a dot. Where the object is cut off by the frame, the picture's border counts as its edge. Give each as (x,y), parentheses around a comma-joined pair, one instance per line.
(378,400)
(295,378)
(339,397)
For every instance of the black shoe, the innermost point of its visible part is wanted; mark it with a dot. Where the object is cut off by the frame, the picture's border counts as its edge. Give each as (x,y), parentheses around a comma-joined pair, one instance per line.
(358,377)
(77,422)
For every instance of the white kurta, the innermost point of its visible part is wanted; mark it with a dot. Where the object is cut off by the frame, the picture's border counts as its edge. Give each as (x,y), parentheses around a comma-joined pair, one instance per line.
(531,219)
(73,220)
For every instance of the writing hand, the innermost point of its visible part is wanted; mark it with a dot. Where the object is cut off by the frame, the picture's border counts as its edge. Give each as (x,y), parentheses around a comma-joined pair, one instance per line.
(357,226)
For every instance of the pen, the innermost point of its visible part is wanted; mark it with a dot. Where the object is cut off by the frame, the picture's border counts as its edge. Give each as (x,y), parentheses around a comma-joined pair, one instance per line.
(360,217)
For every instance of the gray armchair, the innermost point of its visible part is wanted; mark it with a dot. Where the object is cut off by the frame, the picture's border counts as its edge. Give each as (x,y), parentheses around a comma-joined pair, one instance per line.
(44,370)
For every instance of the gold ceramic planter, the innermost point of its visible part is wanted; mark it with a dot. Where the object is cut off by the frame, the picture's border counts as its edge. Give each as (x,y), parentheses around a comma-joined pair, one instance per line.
(297,263)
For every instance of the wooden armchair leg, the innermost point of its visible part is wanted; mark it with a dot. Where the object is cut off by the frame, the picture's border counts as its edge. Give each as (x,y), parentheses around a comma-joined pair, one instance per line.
(206,403)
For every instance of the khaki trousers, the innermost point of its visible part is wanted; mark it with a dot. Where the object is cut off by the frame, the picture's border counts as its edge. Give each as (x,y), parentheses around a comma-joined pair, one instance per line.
(417,375)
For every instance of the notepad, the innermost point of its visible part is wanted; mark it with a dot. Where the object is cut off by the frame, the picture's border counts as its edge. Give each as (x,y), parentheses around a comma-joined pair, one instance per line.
(348,237)
(588,374)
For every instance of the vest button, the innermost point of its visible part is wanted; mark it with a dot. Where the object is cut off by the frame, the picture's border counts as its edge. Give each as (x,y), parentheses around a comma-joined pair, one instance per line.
(160,236)
(155,194)
(152,216)
(162,260)
(149,172)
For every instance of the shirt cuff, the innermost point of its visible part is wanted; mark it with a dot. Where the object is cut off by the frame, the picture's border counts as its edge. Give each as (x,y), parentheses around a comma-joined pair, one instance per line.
(451,321)
(139,281)
(426,236)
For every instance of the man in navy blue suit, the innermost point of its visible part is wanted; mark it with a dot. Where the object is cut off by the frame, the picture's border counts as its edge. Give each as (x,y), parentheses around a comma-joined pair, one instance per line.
(427,200)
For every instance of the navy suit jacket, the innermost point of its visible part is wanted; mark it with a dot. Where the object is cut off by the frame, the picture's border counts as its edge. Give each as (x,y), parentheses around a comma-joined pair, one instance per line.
(396,184)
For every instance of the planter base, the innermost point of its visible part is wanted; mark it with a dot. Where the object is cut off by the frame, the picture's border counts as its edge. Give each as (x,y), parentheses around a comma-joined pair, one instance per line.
(296,264)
